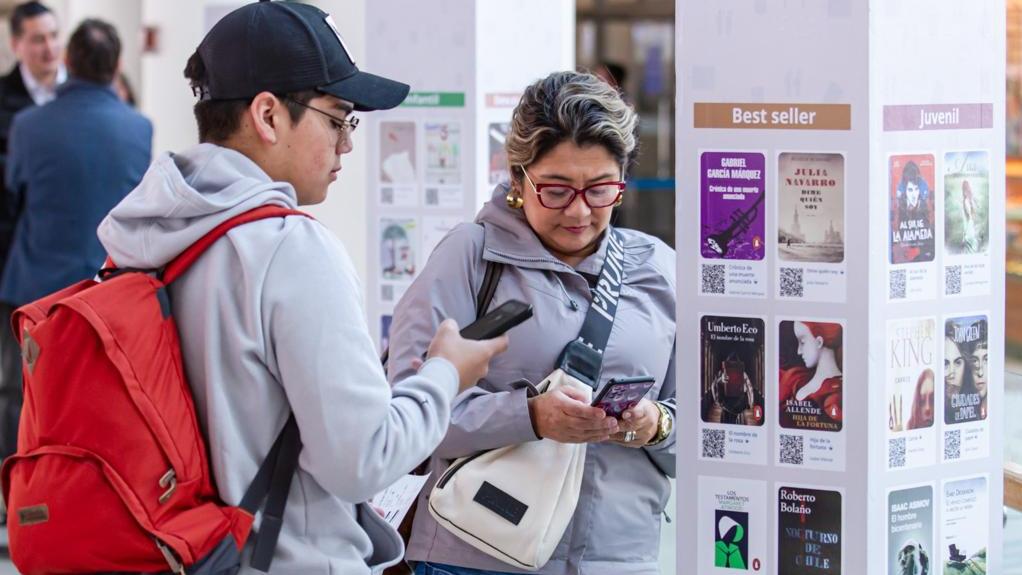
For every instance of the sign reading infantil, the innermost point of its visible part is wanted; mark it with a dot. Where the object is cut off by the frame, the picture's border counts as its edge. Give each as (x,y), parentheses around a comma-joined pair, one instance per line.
(434,100)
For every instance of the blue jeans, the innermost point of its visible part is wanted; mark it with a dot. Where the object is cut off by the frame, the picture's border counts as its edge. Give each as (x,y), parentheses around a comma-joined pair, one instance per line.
(441,569)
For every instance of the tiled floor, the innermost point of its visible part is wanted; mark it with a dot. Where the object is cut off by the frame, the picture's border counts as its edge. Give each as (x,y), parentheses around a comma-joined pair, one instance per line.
(1012,548)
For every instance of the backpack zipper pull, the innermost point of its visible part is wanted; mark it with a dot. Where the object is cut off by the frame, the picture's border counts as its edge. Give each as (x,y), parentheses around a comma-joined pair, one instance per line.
(168,482)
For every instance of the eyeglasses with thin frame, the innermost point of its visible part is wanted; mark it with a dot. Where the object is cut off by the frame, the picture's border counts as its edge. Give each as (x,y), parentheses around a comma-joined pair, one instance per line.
(343,127)
(560,196)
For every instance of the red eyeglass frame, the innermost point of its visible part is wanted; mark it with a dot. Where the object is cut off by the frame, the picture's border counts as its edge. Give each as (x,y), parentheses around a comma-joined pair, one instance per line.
(540,187)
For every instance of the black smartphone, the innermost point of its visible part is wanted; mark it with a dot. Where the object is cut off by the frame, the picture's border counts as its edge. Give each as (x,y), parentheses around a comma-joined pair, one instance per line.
(504,317)
(623,393)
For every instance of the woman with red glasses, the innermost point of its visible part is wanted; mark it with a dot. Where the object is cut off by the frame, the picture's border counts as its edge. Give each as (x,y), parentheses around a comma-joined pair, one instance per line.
(571,143)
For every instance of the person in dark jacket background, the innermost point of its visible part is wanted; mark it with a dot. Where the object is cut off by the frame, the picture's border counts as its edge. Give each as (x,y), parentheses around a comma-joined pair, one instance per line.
(35,42)
(70,161)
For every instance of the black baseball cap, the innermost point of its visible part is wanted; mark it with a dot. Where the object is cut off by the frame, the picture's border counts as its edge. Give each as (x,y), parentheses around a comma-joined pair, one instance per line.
(284,47)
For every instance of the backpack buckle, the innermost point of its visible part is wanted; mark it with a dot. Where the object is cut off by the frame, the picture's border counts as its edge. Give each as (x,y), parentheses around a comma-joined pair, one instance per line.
(176,566)
(168,482)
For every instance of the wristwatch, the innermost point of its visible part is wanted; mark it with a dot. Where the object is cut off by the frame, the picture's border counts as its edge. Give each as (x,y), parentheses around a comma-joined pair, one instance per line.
(664,425)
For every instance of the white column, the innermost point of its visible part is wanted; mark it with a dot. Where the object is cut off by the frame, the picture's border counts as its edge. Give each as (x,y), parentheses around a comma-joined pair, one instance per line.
(823,150)
(434,160)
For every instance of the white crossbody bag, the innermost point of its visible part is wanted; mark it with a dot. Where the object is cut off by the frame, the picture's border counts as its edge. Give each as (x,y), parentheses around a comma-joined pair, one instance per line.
(514,503)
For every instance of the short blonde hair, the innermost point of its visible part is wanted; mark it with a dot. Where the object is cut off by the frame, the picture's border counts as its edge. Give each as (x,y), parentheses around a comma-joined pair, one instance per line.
(576,107)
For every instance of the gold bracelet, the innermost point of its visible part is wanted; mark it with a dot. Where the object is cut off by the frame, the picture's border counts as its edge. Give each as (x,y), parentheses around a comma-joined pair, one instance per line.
(664,425)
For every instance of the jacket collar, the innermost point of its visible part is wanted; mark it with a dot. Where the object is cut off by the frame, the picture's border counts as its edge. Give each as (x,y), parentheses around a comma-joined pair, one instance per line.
(76,84)
(510,240)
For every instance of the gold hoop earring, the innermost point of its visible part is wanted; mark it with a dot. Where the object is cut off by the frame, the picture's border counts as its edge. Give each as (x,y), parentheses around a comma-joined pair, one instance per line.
(514,201)
(619,201)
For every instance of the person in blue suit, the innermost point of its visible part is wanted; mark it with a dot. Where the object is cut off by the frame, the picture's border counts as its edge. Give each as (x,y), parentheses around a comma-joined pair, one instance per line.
(69,162)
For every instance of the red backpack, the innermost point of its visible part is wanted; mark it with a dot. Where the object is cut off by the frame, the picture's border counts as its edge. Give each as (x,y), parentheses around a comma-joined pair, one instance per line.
(111,472)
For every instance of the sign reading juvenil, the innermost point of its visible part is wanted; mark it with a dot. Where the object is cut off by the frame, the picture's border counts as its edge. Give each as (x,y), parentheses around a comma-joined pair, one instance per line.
(773,116)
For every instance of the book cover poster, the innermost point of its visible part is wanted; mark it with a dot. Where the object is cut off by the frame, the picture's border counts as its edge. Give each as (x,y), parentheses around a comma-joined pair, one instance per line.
(732,525)
(398,242)
(397,152)
(965,369)
(733,210)
(811,207)
(811,375)
(911,208)
(498,168)
(911,392)
(385,321)
(966,202)
(965,522)
(443,153)
(809,534)
(911,380)
(910,532)
(733,373)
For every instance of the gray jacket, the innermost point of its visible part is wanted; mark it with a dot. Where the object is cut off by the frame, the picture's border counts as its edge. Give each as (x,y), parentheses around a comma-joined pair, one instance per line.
(271,322)
(616,527)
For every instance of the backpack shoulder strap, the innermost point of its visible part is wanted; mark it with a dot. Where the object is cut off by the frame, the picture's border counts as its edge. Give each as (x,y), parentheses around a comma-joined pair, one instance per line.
(489,287)
(181,263)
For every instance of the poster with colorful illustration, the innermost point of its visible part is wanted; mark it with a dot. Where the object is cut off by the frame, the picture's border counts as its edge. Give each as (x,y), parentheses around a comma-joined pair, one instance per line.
(910,517)
(811,207)
(733,210)
(966,387)
(966,202)
(966,373)
(397,152)
(732,525)
(912,191)
(965,526)
(911,383)
(733,372)
(443,153)
(398,243)
(966,224)
(497,136)
(732,390)
(811,376)
(385,321)
(809,531)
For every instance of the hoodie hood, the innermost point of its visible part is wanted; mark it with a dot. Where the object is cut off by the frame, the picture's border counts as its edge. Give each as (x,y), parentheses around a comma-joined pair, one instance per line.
(181,198)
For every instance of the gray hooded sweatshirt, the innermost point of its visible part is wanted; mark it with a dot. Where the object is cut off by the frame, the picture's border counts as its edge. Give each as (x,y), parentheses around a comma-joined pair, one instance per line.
(616,526)
(270,320)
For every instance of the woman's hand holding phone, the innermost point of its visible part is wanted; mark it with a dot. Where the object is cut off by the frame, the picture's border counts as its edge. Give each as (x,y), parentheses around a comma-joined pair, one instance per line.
(643,419)
(565,416)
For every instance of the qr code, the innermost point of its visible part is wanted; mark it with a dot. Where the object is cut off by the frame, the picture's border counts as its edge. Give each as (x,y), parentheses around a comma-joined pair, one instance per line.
(792,449)
(897,284)
(791,282)
(387,196)
(432,196)
(713,279)
(387,292)
(953,280)
(952,444)
(896,453)
(713,443)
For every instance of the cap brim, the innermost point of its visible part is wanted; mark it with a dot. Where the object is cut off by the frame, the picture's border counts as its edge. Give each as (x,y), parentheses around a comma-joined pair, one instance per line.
(368,92)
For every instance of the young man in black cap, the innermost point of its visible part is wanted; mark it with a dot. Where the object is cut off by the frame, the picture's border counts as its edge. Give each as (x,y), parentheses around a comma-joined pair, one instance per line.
(270,317)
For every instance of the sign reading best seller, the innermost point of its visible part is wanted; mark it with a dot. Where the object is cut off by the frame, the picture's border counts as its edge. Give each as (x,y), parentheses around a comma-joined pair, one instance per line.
(773,116)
